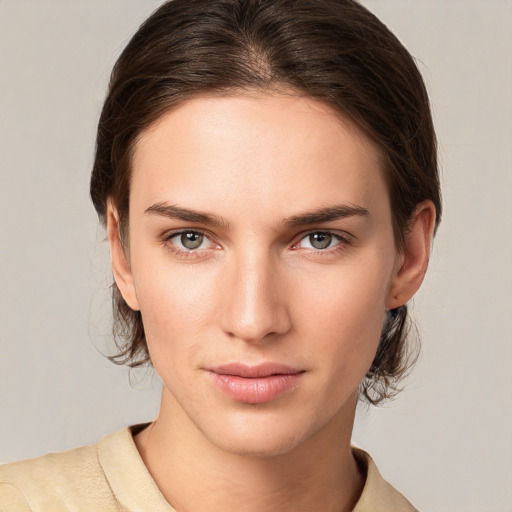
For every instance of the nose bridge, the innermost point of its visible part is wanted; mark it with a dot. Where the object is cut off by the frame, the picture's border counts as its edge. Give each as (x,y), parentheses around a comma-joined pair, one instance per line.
(254,306)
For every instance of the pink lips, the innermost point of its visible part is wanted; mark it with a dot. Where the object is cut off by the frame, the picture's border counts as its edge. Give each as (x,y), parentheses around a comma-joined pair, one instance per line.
(255,384)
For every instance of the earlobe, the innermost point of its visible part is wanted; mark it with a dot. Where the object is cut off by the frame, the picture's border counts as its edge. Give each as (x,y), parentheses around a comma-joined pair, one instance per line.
(414,260)
(120,262)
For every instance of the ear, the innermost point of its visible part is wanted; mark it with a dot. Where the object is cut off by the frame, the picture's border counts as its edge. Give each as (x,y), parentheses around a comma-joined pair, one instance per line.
(120,261)
(413,261)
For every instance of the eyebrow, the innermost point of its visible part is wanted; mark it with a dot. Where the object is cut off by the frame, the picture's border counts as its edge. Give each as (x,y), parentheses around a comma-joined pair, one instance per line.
(328,214)
(171,211)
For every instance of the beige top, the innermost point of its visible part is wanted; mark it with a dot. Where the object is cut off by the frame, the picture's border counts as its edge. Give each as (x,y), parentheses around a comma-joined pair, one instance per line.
(111,476)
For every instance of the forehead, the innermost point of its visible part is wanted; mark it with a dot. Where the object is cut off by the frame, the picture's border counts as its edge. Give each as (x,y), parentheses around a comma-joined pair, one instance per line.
(262,151)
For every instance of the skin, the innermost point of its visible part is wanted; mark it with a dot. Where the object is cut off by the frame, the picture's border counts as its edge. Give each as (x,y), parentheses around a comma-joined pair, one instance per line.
(258,290)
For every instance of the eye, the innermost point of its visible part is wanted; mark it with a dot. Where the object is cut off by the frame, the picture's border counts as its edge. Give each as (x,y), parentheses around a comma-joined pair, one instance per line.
(189,241)
(321,240)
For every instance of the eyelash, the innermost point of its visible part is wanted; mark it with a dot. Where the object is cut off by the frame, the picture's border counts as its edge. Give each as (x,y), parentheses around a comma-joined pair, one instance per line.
(344,241)
(190,253)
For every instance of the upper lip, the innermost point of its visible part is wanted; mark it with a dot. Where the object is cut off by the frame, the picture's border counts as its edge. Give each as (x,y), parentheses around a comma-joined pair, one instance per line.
(253,371)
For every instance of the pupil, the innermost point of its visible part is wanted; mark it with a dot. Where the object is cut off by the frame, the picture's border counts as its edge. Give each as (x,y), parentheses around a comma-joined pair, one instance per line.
(320,240)
(191,240)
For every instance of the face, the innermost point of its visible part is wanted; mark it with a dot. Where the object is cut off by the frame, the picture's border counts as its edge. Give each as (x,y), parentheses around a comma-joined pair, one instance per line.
(262,259)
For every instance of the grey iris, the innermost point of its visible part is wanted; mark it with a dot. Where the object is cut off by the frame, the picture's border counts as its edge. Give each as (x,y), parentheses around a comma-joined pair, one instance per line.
(191,240)
(320,240)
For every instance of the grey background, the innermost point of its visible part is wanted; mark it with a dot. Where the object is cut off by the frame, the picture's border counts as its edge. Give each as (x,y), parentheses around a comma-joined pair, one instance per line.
(446,442)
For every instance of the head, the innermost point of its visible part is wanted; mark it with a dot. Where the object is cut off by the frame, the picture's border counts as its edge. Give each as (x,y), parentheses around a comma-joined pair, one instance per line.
(333,53)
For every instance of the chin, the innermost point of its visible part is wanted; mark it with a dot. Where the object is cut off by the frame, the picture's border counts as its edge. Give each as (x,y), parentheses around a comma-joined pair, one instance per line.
(256,437)
(271,445)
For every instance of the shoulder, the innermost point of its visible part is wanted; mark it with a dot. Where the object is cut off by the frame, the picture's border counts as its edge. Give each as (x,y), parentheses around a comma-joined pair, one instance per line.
(57,482)
(378,495)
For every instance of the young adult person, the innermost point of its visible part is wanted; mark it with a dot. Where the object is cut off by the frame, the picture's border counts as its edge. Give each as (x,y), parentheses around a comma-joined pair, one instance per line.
(266,171)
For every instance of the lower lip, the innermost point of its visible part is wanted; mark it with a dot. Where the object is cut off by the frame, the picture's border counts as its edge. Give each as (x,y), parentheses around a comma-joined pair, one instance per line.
(257,390)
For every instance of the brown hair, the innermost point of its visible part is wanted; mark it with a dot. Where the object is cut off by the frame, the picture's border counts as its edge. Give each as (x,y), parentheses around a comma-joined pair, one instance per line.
(333,51)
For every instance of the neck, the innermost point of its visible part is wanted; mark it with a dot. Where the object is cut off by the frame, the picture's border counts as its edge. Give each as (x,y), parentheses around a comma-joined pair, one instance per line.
(195,475)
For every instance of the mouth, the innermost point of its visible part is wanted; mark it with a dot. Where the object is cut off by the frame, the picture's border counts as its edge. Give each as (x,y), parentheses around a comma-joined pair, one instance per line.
(255,384)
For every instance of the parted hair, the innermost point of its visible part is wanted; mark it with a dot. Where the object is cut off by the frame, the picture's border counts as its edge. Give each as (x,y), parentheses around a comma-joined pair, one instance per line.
(333,51)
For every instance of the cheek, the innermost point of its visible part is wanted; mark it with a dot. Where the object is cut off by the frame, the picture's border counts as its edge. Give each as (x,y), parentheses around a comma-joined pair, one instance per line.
(343,313)
(176,307)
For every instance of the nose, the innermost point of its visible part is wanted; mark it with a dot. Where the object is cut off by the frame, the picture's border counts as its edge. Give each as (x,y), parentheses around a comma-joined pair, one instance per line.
(255,304)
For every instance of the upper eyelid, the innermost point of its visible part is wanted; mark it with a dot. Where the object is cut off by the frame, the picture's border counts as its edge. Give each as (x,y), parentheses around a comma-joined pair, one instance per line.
(342,235)
(170,234)
(299,236)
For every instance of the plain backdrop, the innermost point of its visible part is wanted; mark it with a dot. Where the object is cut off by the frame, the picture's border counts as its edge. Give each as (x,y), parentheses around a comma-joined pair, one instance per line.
(446,442)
